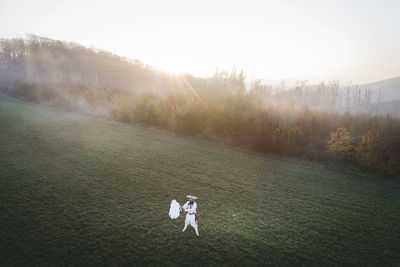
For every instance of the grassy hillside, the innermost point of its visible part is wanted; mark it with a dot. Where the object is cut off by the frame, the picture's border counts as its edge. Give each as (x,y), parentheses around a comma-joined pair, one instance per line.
(77,190)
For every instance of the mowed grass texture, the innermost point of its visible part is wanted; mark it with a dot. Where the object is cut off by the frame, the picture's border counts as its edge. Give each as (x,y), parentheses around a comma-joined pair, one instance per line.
(75,190)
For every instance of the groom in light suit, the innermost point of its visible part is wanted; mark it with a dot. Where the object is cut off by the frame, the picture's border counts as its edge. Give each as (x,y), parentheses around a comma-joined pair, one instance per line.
(191,214)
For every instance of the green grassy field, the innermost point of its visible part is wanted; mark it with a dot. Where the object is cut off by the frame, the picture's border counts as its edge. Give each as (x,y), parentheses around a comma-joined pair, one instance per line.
(75,190)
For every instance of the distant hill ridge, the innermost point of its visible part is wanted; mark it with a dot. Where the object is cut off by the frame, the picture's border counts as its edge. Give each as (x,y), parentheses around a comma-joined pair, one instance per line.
(390,88)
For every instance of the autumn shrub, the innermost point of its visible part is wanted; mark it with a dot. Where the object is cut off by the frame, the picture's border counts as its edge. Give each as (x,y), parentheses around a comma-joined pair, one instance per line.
(372,151)
(341,144)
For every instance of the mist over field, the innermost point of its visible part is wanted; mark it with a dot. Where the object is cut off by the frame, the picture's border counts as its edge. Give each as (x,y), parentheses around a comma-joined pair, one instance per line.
(328,122)
(64,66)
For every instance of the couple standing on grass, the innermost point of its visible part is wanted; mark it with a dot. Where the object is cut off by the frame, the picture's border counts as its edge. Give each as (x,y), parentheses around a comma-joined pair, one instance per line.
(191,214)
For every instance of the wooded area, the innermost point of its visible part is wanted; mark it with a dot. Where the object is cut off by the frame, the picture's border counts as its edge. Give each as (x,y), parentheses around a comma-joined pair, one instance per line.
(328,122)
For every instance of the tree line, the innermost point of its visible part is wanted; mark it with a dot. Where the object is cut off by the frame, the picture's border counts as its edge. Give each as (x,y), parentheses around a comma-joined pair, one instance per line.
(318,122)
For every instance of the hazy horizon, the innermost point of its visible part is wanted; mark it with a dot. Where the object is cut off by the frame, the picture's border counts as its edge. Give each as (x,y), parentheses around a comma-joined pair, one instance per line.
(305,40)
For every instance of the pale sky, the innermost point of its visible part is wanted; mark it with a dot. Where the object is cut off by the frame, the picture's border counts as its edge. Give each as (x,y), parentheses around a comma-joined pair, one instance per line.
(351,40)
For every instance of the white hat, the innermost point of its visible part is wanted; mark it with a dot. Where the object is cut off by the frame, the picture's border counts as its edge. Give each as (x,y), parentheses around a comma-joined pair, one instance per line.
(191,197)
